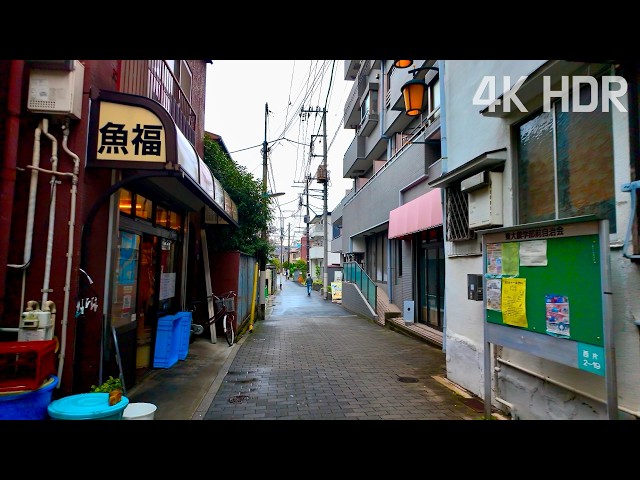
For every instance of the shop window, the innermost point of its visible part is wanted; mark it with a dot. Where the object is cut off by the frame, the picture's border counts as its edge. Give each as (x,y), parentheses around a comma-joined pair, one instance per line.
(144,207)
(162,217)
(126,201)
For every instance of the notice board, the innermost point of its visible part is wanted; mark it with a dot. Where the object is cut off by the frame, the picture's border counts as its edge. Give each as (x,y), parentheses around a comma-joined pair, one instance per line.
(561,286)
(547,292)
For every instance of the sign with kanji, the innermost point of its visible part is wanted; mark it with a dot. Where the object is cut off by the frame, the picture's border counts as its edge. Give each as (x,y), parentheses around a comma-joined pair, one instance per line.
(129,133)
(591,358)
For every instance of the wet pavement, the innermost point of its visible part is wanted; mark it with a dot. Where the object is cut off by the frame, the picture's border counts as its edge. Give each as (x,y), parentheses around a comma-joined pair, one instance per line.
(311,359)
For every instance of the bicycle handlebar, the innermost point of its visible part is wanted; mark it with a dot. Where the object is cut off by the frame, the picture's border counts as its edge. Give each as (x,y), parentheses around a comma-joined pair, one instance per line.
(228,294)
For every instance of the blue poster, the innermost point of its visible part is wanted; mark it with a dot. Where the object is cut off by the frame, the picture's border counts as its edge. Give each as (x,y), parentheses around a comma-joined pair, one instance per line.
(128,262)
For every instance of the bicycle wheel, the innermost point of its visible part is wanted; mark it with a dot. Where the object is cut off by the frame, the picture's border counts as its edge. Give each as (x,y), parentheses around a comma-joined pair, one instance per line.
(228,327)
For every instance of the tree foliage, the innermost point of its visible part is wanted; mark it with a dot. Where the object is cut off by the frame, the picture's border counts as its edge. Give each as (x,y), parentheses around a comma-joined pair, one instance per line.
(254,214)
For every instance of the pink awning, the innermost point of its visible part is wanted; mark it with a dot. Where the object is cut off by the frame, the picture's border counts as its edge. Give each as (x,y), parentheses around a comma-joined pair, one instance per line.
(417,215)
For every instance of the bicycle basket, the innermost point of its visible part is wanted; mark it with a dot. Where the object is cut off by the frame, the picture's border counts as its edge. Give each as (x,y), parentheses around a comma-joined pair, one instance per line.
(229,304)
(219,304)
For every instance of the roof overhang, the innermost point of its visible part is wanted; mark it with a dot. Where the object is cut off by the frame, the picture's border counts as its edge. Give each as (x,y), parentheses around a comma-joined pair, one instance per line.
(490,160)
(134,133)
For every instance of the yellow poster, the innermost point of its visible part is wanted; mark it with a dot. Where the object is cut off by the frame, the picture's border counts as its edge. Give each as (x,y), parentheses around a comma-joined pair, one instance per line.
(513,301)
(336,291)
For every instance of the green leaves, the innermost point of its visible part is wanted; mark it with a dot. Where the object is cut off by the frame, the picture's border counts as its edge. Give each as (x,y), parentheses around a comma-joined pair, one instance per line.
(107,386)
(254,214)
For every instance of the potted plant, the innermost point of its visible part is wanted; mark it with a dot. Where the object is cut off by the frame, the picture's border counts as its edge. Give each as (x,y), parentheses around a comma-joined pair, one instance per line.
(112,386)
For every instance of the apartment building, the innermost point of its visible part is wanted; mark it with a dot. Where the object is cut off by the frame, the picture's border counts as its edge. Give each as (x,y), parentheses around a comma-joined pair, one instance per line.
(317,240)
(392,219)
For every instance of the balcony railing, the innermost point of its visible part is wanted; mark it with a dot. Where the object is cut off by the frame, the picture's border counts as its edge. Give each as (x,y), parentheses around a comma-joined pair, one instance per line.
(154,79)
(354,273)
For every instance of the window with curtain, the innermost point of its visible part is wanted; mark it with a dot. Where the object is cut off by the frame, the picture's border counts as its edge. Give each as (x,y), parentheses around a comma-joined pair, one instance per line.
(565,164)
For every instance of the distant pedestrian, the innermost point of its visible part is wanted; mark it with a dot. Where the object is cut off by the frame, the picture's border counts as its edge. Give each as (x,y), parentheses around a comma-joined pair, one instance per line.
(309,282)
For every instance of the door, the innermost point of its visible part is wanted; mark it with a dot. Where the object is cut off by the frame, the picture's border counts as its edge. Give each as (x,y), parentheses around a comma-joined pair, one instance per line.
(431,278)
(146,305)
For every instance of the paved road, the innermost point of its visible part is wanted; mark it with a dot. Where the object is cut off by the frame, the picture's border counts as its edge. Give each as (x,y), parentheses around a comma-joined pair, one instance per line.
(313,360)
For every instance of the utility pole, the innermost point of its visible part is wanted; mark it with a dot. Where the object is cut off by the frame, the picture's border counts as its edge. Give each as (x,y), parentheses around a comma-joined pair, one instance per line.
(288,247)
(262,284)
(307,217)
(325,241)
(324,178)
(281,252)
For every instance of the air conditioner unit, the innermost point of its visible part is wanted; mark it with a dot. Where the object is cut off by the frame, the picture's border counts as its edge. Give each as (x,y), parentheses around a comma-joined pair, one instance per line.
(485,203)
(56,91)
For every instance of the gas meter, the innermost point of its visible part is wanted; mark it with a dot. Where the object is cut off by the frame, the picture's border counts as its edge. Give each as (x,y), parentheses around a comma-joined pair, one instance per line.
(35,325)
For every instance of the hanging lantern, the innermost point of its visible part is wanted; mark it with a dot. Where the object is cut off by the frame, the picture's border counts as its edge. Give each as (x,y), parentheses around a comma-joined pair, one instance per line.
(413,93)
(402,63)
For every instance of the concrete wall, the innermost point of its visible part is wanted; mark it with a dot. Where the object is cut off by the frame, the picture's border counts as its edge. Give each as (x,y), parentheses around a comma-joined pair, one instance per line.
(469,134)
(353,301)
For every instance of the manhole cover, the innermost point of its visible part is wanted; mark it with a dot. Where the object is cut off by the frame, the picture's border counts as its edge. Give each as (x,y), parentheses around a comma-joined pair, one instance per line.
(408,379)
(238,398)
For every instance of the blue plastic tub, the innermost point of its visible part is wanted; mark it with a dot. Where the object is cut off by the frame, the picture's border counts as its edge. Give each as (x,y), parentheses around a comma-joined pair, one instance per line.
(28,404)
(87,406)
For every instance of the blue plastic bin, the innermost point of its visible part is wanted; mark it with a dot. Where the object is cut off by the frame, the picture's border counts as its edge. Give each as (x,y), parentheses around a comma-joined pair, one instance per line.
(167,342)
(87,406)
(29,404)
(185,334)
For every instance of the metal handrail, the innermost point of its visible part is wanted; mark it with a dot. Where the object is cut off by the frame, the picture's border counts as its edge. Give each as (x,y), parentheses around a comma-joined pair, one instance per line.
(354,273)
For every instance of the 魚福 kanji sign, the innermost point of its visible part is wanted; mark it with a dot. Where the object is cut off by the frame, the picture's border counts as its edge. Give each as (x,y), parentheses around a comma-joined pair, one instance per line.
(130,134)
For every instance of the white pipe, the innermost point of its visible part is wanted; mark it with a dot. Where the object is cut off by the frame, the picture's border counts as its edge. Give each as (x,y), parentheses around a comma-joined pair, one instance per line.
(31,210)
(564,385)
(52,211)
(67,278)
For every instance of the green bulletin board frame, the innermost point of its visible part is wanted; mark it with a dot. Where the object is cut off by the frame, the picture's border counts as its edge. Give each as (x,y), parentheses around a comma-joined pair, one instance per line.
(576,271)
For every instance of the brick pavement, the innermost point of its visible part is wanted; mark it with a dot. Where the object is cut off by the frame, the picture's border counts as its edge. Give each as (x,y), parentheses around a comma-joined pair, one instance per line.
(310,359)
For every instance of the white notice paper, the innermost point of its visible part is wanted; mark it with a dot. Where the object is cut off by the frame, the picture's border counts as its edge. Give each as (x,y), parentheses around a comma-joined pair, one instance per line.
(533,253)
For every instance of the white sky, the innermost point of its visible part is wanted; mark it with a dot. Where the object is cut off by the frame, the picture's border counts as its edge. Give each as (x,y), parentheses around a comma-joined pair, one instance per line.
(237,91)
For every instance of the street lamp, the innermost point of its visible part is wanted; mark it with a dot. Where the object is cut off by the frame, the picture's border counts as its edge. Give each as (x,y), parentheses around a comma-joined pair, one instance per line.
(271,195)
(413,90)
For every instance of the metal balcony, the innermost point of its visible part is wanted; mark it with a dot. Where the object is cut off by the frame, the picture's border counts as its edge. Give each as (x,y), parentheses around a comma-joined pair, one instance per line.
(155,80)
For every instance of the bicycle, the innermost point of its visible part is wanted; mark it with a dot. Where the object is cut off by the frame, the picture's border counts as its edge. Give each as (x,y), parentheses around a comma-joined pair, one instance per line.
(224,310)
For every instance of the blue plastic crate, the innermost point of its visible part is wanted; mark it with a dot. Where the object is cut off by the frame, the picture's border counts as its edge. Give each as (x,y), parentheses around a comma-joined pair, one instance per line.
(167,342)
(185,334)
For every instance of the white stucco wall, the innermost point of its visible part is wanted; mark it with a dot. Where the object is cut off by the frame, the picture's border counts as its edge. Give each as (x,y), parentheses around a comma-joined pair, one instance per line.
(469,134)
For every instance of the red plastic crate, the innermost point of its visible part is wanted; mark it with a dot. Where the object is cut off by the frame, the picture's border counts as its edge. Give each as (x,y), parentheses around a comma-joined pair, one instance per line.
(26,365)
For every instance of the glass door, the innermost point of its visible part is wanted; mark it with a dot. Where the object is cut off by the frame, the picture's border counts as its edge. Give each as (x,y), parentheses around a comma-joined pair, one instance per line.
(146,306)
(431,279)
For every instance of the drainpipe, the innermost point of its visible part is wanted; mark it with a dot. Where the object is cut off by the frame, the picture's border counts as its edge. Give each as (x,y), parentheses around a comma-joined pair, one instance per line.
(50,306)
(52,210)
(72,220)
(383,108)
(31,211)
(8,172)
(443,163)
